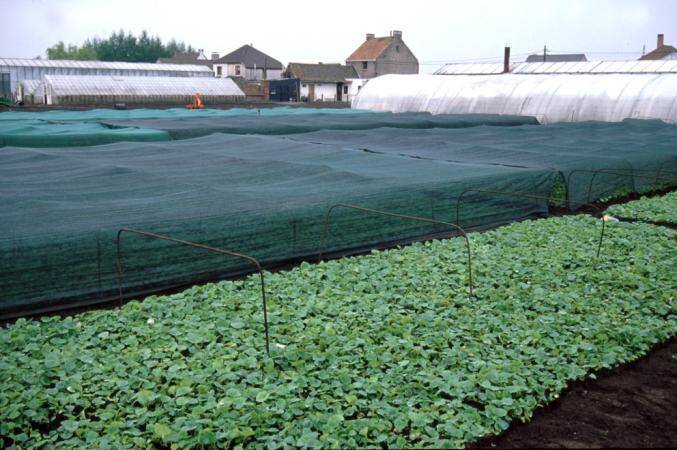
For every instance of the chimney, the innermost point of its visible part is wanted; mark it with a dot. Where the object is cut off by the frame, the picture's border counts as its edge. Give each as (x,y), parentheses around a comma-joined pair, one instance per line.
(215,56)
(506,59)
(661,40)
(397,34)
(370,36)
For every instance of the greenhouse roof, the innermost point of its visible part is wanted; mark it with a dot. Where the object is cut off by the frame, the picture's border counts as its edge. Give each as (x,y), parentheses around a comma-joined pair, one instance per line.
(550,97)
(111,65)
(594,67)
(116,85)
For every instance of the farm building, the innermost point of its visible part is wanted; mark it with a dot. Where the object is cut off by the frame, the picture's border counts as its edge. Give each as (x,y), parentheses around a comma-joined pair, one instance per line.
(322,82)
(384,55)
(102,90)
(661,52)
(17,70)
(607,91)
(249,63)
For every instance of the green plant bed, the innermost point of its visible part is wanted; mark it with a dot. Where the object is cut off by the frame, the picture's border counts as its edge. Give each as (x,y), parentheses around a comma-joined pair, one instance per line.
(379,350)
(656,209)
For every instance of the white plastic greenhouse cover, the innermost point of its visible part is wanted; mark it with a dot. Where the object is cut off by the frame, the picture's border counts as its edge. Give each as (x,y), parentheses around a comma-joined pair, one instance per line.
(659,66)
(102,85)
(549,98)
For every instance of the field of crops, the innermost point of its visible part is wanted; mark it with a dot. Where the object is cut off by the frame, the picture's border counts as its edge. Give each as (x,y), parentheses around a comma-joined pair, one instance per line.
(385,349)
(656,209)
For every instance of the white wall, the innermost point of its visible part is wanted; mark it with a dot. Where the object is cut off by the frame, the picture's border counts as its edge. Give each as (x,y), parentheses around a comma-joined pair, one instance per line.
(230,70)
(323,91)
(354,86)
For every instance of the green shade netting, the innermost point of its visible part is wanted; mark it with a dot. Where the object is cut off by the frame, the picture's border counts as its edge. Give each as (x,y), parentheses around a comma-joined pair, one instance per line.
(37,133)
(267,196)
(290,124)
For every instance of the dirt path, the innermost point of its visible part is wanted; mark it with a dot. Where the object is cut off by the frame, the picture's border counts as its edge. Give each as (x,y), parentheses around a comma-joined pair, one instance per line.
(631,406)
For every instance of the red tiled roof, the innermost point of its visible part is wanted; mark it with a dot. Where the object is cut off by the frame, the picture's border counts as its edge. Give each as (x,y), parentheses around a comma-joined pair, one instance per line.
(660,53)
(370,49)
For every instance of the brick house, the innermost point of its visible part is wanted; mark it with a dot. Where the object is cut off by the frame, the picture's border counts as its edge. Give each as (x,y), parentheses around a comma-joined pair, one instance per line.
(383,55)
(662,51)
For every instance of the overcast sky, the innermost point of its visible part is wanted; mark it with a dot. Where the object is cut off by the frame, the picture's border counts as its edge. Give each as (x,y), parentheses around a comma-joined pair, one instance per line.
(311,30)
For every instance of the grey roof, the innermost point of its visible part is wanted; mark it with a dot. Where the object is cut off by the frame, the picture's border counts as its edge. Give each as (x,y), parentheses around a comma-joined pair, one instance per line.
(571,57)
(250,57)
(114,65)
(185,58)
(328,73)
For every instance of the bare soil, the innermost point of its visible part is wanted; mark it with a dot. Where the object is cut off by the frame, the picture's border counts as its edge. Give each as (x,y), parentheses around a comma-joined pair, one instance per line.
(632,406)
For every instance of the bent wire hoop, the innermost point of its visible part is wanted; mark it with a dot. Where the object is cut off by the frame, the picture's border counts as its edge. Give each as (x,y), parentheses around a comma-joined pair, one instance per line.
(198,246)
(325,231)
(535,197)
(623,173)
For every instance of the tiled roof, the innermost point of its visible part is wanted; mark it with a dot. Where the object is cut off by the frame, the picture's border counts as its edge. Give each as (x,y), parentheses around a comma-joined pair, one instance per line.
(327,73)
(250,57)
(660,53)
(370,49)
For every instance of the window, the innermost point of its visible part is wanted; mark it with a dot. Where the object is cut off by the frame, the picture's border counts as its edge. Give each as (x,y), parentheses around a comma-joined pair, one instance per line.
(237,70)
(365,65)
(305,85)
(345,89)
(219,70)
(397,48)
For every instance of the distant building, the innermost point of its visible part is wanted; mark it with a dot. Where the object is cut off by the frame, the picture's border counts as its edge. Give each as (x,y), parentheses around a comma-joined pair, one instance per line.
(383,55)
(662,51)
(248,63)
(317,82)
(571,57)
(197,57)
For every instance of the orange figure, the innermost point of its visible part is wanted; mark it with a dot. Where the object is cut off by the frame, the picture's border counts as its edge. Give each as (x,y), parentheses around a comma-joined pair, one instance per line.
(197,102)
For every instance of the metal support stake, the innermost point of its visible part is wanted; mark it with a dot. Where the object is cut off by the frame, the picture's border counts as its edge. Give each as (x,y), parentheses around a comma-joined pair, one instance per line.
(202,247)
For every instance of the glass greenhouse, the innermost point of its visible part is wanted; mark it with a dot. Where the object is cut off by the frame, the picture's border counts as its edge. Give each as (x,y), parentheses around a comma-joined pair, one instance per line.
(63,90)
(34,69)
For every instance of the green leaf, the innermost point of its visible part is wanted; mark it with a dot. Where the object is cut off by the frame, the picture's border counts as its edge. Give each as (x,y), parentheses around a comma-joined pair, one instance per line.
(162,431)
(262,396)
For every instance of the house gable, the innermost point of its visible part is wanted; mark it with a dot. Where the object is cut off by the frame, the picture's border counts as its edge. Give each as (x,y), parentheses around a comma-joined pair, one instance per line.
(383,55)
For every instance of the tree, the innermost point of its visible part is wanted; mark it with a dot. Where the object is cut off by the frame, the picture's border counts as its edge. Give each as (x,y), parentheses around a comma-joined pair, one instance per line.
(60,51)
(120,46)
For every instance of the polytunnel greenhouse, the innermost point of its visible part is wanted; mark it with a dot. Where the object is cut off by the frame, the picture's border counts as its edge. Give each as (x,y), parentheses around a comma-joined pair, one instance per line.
(79,90)
(550,97)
